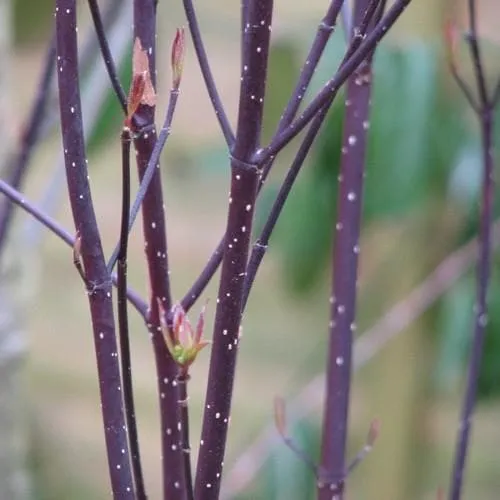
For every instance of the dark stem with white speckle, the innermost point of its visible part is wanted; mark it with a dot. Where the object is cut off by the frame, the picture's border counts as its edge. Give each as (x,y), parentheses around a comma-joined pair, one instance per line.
(332,468)
(101,305)
(243,193)
(154,230)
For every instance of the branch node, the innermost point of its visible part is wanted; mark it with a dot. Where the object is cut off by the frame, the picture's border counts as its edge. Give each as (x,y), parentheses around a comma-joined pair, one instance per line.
(243,165)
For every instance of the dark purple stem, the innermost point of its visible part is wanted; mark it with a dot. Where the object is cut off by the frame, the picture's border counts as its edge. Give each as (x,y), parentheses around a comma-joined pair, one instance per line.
(345,275)
(16,197)
(201,53)
(260,246)
(125,359)
(29,137)
(325,29)
(281,139)
(154,230)
(183,380)
(485,112)
(101,305)
(243,193)
(106,54)
(481,308)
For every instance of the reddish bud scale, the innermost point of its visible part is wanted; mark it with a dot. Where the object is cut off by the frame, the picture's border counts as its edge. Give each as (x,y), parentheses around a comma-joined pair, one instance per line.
(177,57)
(141,89)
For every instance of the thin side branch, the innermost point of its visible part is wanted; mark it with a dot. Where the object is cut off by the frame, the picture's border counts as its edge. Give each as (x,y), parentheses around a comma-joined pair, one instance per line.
(54,227)
(125,359)
(201,53)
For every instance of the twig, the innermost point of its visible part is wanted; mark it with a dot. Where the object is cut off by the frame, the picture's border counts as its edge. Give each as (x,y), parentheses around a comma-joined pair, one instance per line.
(207,72)
(17,198)
(485,113)
(100,301)
(261,244)
(125,360)
(29,137)
(106,53)
(243,193)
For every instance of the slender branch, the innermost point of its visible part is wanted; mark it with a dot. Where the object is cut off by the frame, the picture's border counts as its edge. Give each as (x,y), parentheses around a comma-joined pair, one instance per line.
(151,168)
(30,136)
(463,87)
(243,193)
(183,380)
(261,244)
(126,364)
(204,277)
(101,306)
(485,113)
(154,230)
(345,275)
(281,139)
(367,346)
(325,29)
(201,53)
(54,227)
(106,54)
(472,39)
(481,308)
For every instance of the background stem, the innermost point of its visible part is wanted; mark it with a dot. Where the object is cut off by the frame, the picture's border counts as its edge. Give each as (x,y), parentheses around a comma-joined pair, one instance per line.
(345,274)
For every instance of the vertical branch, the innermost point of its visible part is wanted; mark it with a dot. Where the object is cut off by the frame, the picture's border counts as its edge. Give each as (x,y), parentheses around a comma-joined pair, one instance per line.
(345,274)
(126,364)
(244,182)
(483,272)
(485,110)
(155,241)
(98,280)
